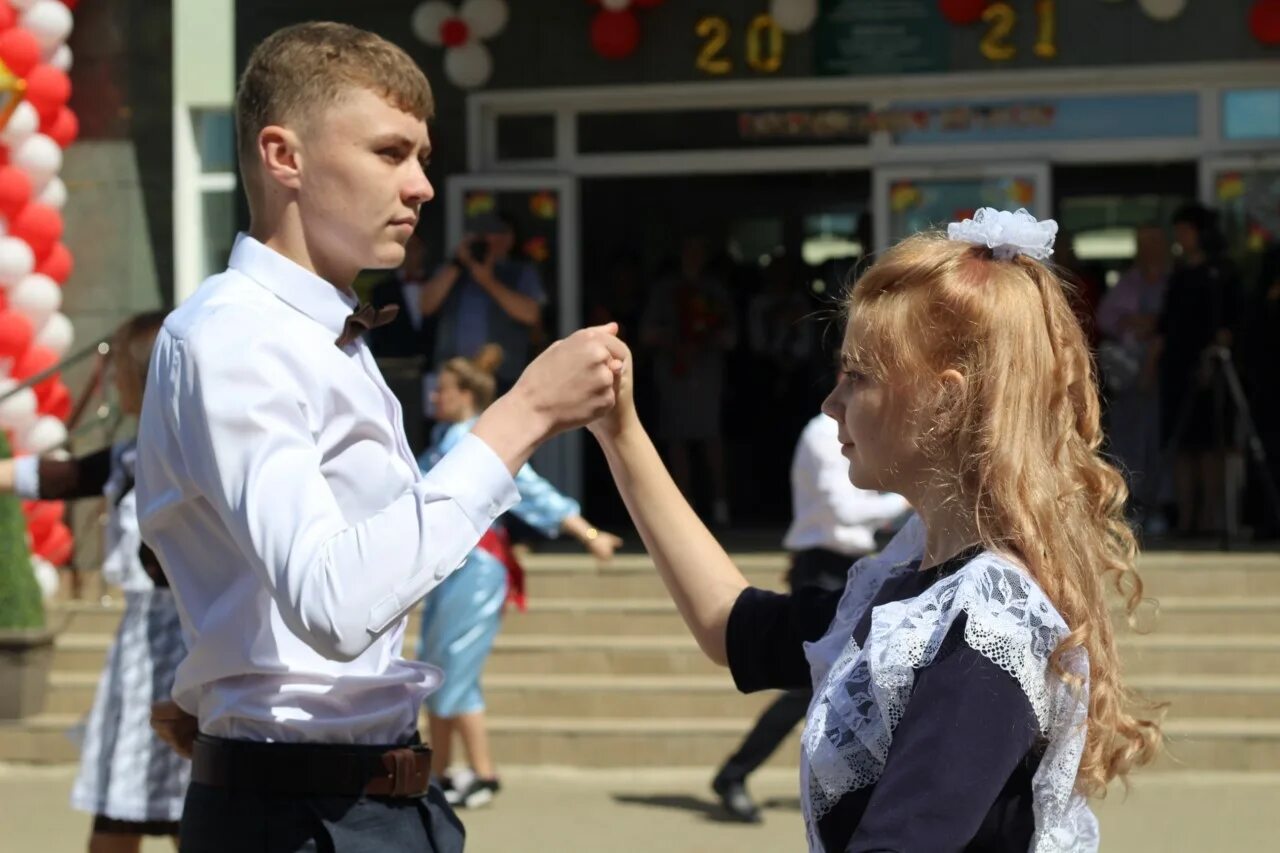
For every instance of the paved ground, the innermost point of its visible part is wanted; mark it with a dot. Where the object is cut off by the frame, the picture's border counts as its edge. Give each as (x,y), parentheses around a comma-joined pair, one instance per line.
(569,811)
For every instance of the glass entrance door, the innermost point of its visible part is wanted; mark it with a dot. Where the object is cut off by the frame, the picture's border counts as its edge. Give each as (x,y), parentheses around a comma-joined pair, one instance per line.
(544,210)
(919,198)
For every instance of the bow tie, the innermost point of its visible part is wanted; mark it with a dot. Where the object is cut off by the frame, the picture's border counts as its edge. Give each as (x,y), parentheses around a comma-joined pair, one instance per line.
(363,319)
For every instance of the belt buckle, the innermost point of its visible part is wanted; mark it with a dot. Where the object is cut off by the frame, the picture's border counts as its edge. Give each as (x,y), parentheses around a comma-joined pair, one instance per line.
(408,774)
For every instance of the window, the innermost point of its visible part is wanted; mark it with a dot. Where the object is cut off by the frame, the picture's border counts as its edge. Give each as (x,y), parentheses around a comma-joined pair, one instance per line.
(1251,114)
(214,131)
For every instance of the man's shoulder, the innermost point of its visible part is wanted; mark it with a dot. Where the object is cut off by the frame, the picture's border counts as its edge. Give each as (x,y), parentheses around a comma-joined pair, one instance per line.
(228,318)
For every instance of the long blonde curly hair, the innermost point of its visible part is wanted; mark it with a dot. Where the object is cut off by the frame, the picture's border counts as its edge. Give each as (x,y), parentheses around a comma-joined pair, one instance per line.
(1019,446)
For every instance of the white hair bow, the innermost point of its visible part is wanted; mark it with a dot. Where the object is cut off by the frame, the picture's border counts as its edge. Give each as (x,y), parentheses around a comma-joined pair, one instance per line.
(1007,233)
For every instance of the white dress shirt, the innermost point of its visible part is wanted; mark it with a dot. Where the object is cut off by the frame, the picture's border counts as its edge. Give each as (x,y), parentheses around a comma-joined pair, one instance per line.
(829,511)
(276,486)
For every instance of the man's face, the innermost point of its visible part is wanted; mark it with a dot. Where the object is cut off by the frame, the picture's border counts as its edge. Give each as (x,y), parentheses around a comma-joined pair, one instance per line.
(501,243)
(361,181)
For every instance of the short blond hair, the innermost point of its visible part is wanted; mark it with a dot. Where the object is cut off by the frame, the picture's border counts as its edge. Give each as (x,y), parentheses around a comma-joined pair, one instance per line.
(301,69)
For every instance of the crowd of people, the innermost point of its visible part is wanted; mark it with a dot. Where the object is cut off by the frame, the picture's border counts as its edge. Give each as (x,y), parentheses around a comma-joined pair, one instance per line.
(959,686)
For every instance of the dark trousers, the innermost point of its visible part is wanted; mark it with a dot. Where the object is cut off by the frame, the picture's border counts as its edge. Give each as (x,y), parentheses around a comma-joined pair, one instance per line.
(819,568)
(220,820)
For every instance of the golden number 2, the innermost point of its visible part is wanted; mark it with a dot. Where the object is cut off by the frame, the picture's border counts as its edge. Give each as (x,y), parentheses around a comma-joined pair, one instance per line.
(995,44)
(715,30)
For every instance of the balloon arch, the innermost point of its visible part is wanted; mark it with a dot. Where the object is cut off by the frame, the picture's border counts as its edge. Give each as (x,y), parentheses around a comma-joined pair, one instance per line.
(35,126)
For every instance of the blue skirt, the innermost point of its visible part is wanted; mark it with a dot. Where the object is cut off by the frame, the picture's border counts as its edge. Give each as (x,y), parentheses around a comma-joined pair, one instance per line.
(460,619)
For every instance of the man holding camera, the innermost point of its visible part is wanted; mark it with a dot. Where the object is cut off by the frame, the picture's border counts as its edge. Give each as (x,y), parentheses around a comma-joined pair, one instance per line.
(484,295)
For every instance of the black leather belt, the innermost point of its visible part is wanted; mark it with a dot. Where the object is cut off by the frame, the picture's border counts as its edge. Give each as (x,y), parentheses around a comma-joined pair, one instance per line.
(308,769)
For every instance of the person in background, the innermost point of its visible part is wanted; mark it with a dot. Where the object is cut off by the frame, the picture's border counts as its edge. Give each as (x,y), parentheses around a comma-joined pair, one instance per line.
(1085,282)
(461,618)
(1200,309)
(834,524)
(409,335)
(1129,357)
(130,780)
(689,325)
(486,295)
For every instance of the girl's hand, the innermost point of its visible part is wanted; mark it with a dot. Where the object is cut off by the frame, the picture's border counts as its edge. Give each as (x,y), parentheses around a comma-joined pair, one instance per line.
(603,546)
(623,414)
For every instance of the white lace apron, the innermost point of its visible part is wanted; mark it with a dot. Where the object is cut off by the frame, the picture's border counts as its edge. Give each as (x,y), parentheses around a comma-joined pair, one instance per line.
(860,692)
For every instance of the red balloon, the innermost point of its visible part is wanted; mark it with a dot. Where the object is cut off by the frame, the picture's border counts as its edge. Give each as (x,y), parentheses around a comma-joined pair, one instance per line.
(58,264)
(4,302)
(454,32)
(8,17)
(56,545)
(40,225)
(19,51)
(962,13)
(646,4)
(36,359)
(15,191)
(57,403)
(16,335)
(1264,22)
(42,516)
(48,90)
(615,35)
(71,4)
(63,129)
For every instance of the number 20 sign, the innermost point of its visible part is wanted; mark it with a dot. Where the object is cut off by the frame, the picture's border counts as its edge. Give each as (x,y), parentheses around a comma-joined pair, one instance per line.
(763,49)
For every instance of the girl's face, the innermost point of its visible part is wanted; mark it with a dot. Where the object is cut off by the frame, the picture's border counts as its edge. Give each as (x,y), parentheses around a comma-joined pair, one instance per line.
(878,428)
(451,403)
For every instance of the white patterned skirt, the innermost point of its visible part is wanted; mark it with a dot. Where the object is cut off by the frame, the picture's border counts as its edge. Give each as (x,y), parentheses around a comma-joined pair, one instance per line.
(126,772)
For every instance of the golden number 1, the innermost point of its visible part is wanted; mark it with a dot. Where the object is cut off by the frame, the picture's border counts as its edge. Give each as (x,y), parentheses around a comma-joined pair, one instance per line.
(715,30)
(1046,16)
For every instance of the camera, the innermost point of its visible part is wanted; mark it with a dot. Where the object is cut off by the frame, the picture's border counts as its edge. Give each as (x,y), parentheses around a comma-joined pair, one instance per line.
(479,250)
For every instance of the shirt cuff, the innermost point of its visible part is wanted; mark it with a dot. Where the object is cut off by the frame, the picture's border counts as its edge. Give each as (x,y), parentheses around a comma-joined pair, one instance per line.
(473,475)
(26,477)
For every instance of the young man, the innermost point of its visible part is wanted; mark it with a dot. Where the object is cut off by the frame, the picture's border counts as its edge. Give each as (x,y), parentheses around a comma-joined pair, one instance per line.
(276,485)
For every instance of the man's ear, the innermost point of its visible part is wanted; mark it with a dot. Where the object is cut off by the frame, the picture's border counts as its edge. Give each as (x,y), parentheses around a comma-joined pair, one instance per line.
(279,151)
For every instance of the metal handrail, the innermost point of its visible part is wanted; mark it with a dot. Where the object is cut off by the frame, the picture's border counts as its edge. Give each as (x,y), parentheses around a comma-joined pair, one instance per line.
(101,347)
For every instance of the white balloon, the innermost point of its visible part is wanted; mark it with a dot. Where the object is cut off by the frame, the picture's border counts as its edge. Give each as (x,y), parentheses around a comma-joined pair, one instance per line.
(468,66)
(17,413)
(24,122)
(37,297)
(615,5)
(54,193)
(40,157)
(62,59)
(57,334)
(17,261)
(486,18)
(49,21)
(44,435)
(46,576)
(1163,10)
(427,19)
(794,16)
(20,5)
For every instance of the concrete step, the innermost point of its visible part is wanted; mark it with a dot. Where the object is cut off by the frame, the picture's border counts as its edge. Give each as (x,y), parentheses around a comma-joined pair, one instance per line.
(1219,654)
(1220,696)
(658,616)
(677,654)
(1209,573)
(1204,744)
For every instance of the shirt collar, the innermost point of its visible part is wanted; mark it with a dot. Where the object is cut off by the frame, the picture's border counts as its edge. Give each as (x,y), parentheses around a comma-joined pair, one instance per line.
(303,290)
